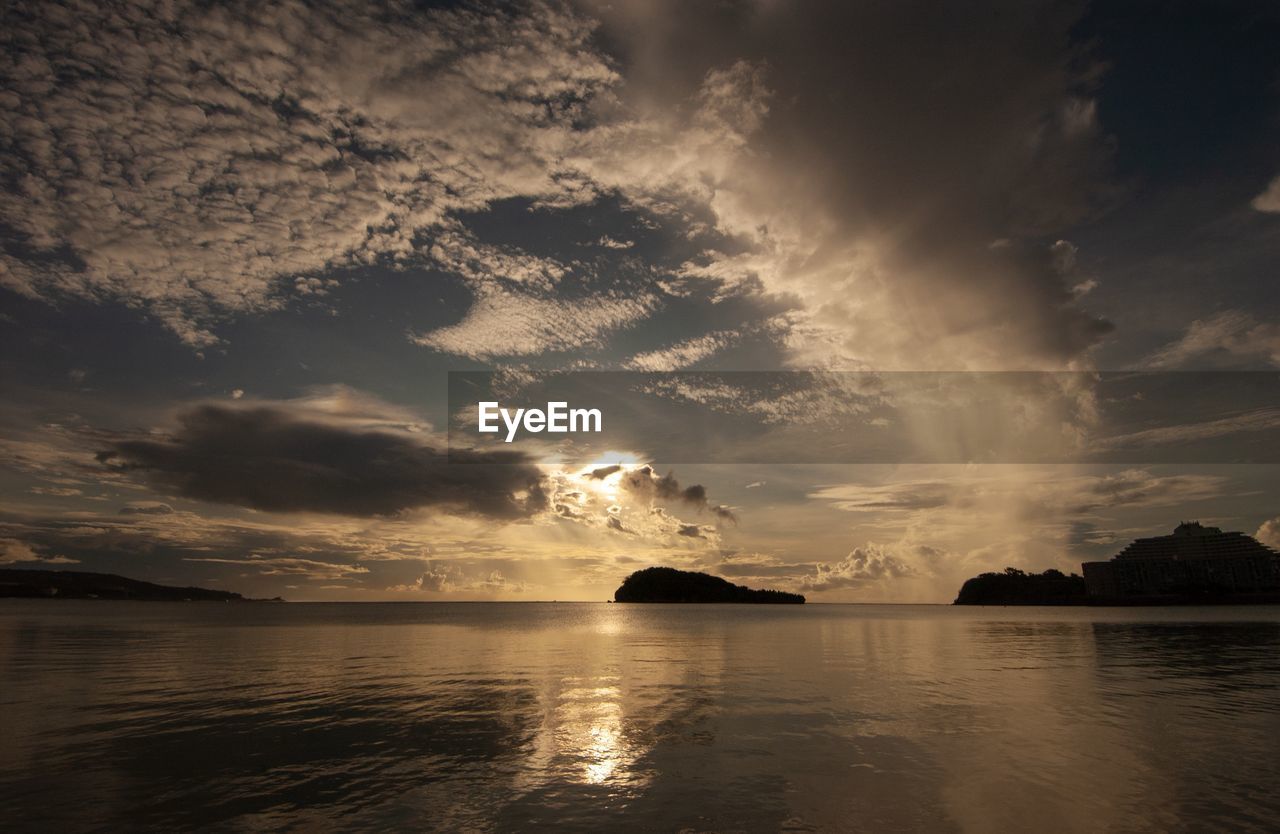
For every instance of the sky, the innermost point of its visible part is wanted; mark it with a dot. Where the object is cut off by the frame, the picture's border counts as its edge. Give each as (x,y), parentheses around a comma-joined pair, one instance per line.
(242,246)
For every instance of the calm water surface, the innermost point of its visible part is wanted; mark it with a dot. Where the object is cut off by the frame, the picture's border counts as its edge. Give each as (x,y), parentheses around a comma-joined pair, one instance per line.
(582,717)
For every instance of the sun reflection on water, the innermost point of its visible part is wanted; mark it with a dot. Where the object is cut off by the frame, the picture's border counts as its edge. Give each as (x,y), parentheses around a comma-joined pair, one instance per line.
(604,750)
(590,733)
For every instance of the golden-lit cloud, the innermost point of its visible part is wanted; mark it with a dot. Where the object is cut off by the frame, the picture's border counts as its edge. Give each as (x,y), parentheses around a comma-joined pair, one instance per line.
(327,205)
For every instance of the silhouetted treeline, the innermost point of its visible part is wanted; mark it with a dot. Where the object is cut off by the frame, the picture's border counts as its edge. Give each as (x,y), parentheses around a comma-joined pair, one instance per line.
(1015,587)
(671,585)
(65,584)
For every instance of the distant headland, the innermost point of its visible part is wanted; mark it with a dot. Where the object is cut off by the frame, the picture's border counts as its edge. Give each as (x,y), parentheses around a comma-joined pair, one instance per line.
(1194,565)
(671,585)
(66,584)
(1015,587)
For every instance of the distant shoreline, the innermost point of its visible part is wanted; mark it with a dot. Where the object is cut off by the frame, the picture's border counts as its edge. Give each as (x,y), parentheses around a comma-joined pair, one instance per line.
(25,583)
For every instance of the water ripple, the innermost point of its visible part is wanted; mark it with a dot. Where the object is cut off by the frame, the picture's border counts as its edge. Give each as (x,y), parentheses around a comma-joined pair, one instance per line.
(589,717)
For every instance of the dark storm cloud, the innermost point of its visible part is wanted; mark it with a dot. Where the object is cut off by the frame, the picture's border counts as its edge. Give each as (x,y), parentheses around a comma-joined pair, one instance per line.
(269,458)
(937,153)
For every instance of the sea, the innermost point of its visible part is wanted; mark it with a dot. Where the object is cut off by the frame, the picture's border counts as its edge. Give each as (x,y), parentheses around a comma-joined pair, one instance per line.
(568,717)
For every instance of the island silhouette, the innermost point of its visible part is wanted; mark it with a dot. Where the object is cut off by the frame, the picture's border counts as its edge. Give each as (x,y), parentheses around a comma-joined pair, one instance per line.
(670,585)
(1016,587)
(1194,565)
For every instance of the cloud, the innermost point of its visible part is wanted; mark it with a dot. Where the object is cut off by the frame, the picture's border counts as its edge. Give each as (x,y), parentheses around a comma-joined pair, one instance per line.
(948,523)
(254,547)
(909,495)
(1261,420)
(1269,533)
(60,492)
(852,181)
(1025,494)
(634,501)
(1229,336)
(506,323)
(1268,200)
(648,484)
(441,578)
(683,354)
(194,159)
(352,408)
(761,567)
(796,398)
(146,508)
(204,161)
(339,475)
(861,566)
(287,566)
(284,458)
(432,580)
(15,551)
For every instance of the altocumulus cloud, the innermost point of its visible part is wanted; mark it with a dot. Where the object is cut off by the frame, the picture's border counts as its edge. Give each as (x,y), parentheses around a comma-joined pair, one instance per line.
(203,159)
(197,158)
(273,458)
